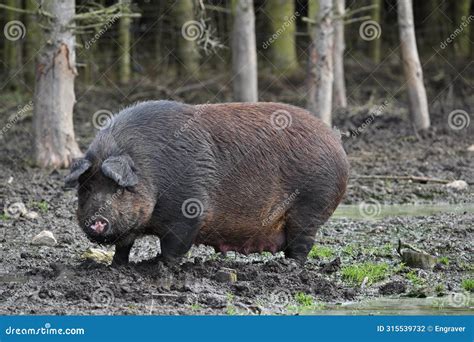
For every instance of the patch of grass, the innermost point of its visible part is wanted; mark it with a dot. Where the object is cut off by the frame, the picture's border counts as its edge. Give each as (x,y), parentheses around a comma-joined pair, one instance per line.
(304,299)
(358,272)
(415,279)
(381,251)
(350,250)
(400,268)
(444,261)
(196,307)
(4,217)
(439,289)
(305,304)
(468,285)
(43,206)
(321,252)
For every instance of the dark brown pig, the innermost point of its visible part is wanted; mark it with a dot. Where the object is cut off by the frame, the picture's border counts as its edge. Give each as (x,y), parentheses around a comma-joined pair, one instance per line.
(237,176)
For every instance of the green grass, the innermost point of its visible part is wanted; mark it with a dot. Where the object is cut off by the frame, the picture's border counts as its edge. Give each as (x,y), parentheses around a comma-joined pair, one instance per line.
(444,261)
(320,252)
(196,307)
(415,279)
(350,250)
(4,216)
(358,272)
(304,299)
(43,206)
(305,304)
(468,285)
(439,289)
(382,251)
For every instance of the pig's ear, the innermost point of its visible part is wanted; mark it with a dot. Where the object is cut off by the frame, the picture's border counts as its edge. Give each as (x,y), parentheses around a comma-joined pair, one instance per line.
(78,167)
(120,169)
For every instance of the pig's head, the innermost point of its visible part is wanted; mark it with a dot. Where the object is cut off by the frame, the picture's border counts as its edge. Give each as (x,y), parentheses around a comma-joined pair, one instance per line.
(114,200)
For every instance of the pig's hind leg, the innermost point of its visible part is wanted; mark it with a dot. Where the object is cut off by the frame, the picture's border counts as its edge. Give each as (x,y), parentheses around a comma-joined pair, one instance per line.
(302,223)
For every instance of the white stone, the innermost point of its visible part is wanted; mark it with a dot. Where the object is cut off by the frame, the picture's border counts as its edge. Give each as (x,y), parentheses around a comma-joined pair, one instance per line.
(32,215)
(471,148)
(45,238)
(457,185)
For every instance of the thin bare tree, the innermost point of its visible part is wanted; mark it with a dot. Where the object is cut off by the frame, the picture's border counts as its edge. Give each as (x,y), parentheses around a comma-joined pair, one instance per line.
(244,52)
(55,144)
(340,98)
(321,73)
(418,102)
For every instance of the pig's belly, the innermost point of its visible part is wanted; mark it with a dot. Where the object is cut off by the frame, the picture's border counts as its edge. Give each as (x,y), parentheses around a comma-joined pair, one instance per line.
(244,238)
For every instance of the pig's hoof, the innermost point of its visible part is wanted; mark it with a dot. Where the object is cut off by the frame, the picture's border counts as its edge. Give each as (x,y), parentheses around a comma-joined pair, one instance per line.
(116,262)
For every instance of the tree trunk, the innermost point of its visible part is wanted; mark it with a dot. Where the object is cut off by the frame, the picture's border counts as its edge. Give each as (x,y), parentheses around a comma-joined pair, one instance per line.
(14,32)
(244,52)
(462,42)
(125,45)
(182,13)
(411,66)
(340,99)
(54,98)
(282,19)
(33,41)
(320,73)
(375,44)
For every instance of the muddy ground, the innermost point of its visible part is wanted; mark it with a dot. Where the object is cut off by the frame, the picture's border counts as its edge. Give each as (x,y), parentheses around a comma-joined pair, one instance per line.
(57,280)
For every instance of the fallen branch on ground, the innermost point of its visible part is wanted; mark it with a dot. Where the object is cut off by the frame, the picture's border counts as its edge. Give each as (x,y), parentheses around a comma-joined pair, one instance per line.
(415,179)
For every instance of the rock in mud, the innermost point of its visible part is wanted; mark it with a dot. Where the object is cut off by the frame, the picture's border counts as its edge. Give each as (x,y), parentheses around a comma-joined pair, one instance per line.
(31,215)
(393,288)
(418,260)
(458,185)
(98,255)
(45,238)
(226,275)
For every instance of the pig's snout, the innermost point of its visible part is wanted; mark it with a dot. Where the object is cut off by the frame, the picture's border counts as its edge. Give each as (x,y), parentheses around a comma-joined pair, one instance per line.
(99,226)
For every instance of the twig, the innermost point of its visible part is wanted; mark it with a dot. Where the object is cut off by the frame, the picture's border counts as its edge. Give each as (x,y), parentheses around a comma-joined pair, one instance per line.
(14,9)
(415,179)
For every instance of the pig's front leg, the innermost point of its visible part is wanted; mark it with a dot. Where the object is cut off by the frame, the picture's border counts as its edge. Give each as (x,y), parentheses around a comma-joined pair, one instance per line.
(122,252)
(177,240)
